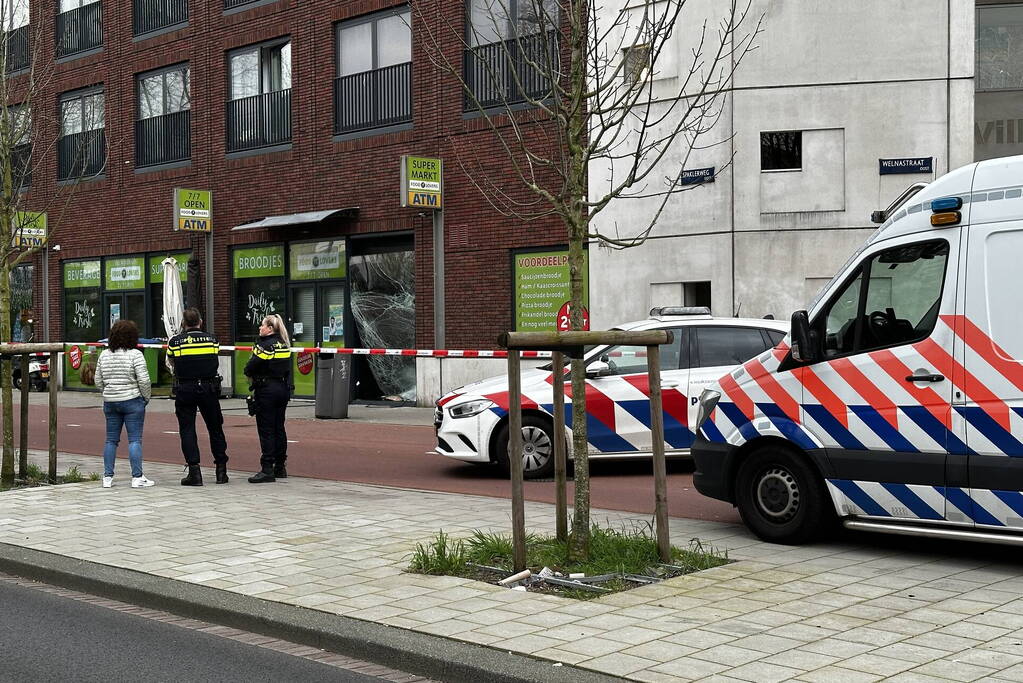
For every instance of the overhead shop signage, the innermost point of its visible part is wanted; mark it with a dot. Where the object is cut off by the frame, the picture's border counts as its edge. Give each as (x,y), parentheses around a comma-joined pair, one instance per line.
(125,273)
(193,210)
(696,176)
(259,262)
(542,289)
(422,182)
(317,260)
(81,274)
(906,165)
(156,266)
(29,229)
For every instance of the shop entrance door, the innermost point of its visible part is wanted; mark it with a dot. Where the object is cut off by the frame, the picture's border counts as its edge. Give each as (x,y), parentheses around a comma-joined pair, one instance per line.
(316,318)
(125,306)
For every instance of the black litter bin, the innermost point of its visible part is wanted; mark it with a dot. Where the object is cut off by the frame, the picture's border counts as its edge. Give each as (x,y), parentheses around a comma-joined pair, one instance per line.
(333,376)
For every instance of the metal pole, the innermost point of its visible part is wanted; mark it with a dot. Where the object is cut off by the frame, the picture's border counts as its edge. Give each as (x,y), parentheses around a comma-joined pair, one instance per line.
(438,280)
(209,283)
(46,294)
(25,384)
(561,499)
(653,361)
(54,357)
(515,460)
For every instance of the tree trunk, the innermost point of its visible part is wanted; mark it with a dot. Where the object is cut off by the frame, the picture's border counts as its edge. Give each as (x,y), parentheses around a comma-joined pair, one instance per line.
(579,547)
(6,393)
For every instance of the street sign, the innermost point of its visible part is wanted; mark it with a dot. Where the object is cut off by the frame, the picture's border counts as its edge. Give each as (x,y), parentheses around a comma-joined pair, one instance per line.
(193,210)
(29,229)
(422,182)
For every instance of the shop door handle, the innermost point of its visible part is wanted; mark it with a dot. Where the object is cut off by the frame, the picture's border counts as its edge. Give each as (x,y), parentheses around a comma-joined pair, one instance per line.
(925,377)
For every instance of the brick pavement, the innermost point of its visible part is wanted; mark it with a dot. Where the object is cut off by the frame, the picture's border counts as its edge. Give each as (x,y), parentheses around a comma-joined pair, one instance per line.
(863,609)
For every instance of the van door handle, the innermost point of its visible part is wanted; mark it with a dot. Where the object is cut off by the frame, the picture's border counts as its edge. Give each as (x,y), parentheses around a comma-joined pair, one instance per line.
(926,377)
(669,385)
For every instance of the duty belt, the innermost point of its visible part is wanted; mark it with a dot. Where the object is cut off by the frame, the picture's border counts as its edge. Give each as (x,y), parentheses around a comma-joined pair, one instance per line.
(197,380)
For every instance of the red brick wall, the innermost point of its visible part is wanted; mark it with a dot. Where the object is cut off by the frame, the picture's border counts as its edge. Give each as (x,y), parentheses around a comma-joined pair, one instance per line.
(129,213)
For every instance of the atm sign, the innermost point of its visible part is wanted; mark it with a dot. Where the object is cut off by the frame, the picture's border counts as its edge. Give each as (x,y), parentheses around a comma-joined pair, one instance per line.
(429,200)
(193,210)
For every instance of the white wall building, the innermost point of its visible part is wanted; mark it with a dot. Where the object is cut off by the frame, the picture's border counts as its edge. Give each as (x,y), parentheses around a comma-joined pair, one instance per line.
(831,89)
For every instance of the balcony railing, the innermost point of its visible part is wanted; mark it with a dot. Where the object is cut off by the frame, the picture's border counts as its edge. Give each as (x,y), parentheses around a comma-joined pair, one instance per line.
(163,139)
(80,29)
(372,99)
(259,121)
(153,15)
(231,4)
(17,54)
(21,165)
(81,155)
(512,71)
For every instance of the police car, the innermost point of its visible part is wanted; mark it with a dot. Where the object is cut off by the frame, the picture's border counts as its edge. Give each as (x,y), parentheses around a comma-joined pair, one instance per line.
(472,421)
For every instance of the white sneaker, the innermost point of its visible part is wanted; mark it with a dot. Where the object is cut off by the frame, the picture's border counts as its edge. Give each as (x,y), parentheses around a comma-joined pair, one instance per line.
(108,482)
(140,482)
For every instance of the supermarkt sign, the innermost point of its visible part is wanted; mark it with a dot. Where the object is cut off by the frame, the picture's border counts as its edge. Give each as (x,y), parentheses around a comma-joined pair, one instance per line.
(422,182)
(193,210)
(543,290)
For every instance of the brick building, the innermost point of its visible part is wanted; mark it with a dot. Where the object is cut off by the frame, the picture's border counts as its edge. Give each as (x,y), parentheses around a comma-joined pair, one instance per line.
(294,114)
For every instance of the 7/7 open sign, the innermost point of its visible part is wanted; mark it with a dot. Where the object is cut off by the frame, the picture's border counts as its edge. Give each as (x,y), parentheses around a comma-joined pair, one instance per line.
(193,210)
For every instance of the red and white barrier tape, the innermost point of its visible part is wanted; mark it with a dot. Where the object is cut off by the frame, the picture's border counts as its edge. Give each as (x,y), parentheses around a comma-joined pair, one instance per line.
(418,353)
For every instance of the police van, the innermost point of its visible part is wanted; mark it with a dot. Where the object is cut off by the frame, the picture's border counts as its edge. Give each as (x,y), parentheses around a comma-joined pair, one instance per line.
(896,402)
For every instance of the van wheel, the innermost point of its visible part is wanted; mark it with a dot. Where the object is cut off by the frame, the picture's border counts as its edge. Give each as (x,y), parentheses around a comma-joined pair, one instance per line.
(780,497)
(537,448)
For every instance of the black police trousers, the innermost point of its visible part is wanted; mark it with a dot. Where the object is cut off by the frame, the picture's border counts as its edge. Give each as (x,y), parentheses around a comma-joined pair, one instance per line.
(271,403)
(202,397)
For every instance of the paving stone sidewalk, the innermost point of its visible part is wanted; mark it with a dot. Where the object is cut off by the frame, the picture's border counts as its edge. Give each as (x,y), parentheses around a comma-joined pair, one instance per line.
(866,608)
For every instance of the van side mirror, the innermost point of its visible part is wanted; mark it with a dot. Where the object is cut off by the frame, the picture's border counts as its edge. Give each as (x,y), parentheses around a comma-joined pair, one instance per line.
(804,342)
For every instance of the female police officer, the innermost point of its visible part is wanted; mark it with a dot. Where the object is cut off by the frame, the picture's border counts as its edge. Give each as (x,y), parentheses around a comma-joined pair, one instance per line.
(269,372)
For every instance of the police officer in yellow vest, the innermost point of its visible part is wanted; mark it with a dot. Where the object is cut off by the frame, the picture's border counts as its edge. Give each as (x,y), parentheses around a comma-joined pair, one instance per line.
(193,354)
(269,371)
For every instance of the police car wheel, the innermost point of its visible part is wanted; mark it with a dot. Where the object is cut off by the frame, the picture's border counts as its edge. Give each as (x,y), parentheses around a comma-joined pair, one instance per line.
(780,496)
(537,448)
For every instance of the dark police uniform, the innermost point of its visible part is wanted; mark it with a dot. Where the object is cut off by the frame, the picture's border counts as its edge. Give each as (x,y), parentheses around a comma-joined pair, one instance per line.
(197,383)
(269,370)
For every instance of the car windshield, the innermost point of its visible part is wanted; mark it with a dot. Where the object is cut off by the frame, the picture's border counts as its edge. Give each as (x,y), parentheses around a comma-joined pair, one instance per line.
(587,350)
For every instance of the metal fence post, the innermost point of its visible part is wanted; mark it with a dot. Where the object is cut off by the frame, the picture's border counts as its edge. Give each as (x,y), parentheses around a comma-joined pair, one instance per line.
(653,362)
(561,495)
(515,460)
(25,385)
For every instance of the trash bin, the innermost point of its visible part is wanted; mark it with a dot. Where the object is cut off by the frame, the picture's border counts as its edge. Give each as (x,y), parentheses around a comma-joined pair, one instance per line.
(333,376)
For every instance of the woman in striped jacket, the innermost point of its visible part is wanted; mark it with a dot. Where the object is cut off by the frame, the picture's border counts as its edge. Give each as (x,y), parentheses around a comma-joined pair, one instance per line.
(122,375)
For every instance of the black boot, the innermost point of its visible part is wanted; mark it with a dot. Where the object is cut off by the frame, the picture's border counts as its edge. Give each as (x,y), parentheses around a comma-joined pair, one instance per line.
(222,473)
(280,471)
(194,477)
(264,477)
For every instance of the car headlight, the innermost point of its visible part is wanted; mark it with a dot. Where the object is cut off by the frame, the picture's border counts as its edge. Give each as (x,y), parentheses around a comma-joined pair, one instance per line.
(708,401)
(470,408)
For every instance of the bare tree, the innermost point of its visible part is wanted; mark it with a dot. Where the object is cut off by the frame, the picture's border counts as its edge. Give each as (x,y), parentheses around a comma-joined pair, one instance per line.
(25,75)
(570,91)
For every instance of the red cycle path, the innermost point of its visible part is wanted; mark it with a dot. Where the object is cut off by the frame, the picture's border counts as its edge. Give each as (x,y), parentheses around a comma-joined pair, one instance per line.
(373,453)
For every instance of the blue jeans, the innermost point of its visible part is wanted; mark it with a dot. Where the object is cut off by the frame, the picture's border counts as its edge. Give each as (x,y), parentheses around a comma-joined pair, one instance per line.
(131,414)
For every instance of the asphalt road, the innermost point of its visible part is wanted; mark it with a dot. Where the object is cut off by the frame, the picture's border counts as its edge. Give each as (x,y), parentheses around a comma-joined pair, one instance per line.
(374,453)
(53,638)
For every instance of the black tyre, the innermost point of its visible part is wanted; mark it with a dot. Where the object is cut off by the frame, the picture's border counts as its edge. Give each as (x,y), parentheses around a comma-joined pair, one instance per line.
(537,448)
(780,497)
(17,380)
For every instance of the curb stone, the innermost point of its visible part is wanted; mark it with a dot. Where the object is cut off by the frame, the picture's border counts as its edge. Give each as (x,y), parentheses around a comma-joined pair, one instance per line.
(423,654)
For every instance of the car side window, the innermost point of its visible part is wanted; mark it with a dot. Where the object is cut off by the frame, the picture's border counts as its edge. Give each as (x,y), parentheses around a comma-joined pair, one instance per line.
(892,299)
(723,345)
(774,336)
(630,360)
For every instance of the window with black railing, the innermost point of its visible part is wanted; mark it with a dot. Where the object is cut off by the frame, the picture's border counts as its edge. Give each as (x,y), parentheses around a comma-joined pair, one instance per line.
(82,147)
(163,131)
(21,164)
(79,27)
(374,65)
(154,15)
(259,111)
(17,55)
(511,71)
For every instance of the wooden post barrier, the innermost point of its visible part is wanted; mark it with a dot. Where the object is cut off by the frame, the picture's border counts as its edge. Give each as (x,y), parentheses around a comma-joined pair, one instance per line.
(560,461)
(23,449)
(53,349)
(572,344)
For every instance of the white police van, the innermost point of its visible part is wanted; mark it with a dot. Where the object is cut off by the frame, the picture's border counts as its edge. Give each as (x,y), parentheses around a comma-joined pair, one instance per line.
(472,421)
(897,402)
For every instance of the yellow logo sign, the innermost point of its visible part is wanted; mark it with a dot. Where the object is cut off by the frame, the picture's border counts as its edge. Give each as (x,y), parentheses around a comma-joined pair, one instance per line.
(194,224)
(428,200)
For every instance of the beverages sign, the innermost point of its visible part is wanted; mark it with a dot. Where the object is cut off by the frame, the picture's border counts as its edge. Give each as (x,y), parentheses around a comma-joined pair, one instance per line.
(422,182)
(193,210)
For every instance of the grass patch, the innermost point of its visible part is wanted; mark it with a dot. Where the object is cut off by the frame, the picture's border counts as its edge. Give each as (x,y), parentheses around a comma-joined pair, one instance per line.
(37,476)
(625,550)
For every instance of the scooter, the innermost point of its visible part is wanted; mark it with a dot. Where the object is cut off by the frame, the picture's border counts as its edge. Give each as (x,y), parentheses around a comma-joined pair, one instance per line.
(38,374)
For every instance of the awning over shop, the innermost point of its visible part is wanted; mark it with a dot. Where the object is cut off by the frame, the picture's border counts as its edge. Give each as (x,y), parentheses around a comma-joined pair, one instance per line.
(299,218)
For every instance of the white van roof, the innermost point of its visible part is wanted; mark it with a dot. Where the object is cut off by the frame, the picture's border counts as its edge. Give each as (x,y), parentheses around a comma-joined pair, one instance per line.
(991,190)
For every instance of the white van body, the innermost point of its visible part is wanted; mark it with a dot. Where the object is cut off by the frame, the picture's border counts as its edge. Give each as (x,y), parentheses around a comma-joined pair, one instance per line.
(905,412)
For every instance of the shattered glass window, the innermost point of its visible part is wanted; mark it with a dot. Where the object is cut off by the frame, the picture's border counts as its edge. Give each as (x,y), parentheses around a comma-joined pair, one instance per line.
(383,304)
